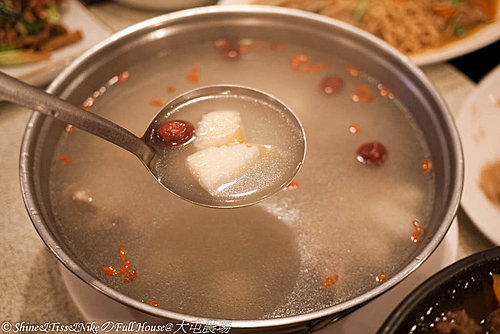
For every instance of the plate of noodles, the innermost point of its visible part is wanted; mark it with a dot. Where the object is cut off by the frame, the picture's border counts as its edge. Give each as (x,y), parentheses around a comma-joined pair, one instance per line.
(479,125)
(428,31)
(39,38)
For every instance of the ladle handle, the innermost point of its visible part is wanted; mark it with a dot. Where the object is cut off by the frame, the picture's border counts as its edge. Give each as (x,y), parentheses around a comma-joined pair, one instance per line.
(18,92)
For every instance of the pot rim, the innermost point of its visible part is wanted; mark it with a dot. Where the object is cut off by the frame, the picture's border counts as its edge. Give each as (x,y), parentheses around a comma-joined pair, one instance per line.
(29,194)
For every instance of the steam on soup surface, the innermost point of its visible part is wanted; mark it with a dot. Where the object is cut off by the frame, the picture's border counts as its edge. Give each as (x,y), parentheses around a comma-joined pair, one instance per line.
(341,228)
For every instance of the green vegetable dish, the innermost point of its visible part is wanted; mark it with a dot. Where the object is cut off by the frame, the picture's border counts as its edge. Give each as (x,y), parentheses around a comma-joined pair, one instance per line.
(30,30)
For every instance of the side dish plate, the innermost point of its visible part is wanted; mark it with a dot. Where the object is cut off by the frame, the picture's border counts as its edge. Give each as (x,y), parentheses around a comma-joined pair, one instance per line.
(479,126)
(74,16)
(483,37)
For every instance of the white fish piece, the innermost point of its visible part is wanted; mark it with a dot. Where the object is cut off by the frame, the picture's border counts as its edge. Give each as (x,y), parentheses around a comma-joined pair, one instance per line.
(219,128)
(217,167)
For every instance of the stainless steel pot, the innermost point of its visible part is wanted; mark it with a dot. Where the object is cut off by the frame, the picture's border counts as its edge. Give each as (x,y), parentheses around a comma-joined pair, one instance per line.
(131,45)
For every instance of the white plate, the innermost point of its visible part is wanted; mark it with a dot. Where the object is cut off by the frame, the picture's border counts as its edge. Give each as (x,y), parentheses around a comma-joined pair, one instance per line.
(74,16)
(483,37)
(479,125)
(94,306)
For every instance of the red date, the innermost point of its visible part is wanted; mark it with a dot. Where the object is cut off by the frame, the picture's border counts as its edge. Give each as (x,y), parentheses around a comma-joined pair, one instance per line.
(175,133)
(372,153)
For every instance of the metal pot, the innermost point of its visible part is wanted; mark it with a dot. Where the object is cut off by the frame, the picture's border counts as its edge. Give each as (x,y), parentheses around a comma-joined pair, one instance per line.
(131,45)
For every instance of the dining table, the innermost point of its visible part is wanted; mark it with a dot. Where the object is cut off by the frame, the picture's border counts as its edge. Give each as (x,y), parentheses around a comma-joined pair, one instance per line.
(31,283)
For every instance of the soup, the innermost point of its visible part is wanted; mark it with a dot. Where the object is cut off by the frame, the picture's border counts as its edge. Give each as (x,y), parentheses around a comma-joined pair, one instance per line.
(338,230)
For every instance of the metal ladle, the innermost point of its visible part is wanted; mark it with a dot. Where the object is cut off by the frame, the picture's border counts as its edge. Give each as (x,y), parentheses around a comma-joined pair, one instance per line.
(146,148)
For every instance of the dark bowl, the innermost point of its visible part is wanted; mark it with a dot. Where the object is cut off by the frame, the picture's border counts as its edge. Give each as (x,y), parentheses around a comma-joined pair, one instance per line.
(465,285)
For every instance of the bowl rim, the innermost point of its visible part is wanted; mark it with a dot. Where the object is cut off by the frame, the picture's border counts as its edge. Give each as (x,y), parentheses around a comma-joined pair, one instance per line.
(30,135)
(432,285)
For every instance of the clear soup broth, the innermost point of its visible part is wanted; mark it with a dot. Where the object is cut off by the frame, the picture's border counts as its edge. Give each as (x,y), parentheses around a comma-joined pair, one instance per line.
(336,232)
